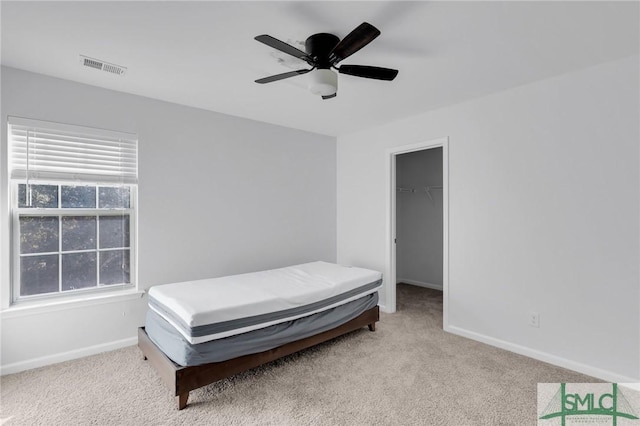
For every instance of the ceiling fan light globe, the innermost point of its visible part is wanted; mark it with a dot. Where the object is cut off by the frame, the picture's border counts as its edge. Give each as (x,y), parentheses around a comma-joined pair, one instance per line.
(323,82)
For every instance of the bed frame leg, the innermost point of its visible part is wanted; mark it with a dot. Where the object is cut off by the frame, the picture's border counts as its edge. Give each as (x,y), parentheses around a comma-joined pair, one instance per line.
(182,400)
(372,326)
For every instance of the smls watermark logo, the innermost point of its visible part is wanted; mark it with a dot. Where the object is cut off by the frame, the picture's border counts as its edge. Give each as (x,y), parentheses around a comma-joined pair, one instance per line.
(587,403)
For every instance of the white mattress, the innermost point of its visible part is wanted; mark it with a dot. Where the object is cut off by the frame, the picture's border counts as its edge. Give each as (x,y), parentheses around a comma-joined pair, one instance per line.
(198,304)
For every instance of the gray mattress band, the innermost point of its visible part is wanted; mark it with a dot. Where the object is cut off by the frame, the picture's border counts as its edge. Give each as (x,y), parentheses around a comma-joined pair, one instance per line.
(220,327)
(174,345)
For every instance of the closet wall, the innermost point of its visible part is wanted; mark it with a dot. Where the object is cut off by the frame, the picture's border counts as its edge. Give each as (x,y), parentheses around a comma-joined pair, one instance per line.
(419,218)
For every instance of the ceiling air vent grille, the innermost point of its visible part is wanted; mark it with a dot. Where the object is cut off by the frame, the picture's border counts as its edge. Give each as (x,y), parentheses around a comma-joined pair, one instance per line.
(101,65)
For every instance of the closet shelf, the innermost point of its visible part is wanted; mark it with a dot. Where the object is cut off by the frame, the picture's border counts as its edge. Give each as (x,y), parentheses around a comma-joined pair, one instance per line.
(428,190)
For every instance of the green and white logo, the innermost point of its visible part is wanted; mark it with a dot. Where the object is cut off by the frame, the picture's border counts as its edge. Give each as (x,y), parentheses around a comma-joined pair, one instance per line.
(587,403)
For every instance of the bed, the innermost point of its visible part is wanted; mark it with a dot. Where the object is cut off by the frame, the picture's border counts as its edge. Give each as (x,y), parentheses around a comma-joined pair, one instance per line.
(199,332)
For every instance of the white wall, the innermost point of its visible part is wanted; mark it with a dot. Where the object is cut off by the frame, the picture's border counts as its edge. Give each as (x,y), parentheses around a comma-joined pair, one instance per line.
(218,195)
(544,215)
(419,218)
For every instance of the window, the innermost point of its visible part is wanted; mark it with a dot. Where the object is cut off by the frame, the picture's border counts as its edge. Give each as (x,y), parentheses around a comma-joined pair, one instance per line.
(73,209)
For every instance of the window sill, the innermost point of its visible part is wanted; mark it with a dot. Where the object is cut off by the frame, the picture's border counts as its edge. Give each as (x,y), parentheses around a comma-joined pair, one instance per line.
(41,307)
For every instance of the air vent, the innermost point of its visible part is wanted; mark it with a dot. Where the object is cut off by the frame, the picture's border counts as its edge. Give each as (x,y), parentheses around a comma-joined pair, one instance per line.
(102,65)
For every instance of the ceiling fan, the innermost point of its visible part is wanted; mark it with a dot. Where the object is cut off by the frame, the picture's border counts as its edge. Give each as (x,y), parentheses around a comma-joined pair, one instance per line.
(323,52)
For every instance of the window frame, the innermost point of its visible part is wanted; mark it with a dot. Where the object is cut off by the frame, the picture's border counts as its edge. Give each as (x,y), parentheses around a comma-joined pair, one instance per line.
(16,212)
(53,153)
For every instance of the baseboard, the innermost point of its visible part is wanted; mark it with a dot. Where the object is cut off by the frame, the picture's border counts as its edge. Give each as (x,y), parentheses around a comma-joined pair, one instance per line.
(512,347)
(29,364)
(420,284)
(598,373)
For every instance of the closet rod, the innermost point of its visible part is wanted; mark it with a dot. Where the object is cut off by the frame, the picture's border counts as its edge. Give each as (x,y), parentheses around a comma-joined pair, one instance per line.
(427,189)
(401,189)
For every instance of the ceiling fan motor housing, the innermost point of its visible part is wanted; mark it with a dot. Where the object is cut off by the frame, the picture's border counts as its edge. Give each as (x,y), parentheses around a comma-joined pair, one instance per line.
(318,46)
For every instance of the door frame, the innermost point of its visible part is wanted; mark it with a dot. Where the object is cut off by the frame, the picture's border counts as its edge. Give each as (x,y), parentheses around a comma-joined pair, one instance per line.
(390,272)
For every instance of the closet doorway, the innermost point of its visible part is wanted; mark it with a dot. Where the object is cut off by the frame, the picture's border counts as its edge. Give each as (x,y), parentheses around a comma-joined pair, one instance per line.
(418,210)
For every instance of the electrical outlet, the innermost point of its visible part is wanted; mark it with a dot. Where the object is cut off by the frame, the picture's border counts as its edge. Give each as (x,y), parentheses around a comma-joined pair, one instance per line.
(534,319)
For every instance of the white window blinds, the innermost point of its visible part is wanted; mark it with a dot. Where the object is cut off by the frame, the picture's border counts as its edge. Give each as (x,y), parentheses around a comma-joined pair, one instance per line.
(51,151)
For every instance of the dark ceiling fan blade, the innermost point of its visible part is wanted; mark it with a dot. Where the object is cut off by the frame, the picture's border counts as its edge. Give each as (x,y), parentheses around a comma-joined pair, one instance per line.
(330,96)
(354,41)
(284,47)
(366,71)
(281,76)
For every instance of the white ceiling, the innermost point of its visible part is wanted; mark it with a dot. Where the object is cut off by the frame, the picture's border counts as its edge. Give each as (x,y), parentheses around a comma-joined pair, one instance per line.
(202,54)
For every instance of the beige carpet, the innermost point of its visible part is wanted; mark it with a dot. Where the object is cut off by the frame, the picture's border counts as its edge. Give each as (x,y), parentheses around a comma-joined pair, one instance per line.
(407,372)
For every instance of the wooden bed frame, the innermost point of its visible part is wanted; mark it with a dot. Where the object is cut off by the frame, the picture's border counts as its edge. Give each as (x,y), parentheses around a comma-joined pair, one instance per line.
(182,380)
